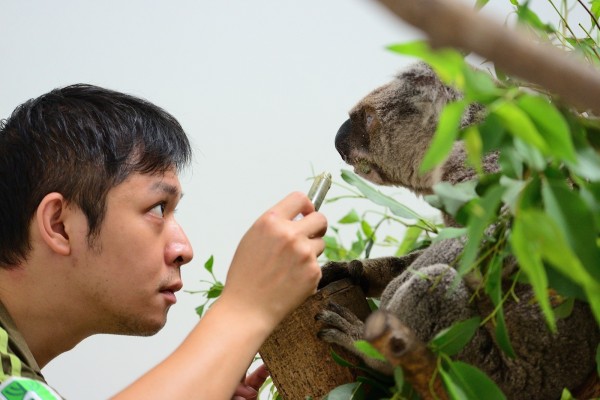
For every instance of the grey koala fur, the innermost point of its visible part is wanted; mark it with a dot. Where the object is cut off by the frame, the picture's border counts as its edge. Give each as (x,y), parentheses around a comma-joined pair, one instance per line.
(385,139)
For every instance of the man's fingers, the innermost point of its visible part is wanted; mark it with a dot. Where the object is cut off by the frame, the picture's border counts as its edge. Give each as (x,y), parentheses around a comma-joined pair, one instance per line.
(293,204)
(258,377)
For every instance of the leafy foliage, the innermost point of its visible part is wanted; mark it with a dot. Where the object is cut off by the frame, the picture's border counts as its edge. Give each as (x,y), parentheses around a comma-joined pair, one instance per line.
(542,208)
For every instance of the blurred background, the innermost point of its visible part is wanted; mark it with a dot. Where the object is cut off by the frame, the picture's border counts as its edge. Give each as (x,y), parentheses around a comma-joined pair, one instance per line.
(261,88)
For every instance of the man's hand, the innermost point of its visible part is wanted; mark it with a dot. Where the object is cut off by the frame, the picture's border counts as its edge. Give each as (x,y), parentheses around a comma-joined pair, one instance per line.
(275,266)
(248,388)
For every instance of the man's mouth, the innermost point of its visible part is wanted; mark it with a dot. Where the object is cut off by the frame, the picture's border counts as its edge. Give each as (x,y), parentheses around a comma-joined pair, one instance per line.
(170,290)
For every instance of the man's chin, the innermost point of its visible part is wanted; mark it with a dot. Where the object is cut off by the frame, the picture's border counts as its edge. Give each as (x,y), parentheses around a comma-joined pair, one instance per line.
(141,327)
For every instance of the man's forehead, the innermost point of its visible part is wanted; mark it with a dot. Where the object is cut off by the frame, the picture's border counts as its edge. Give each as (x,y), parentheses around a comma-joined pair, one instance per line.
(167,182)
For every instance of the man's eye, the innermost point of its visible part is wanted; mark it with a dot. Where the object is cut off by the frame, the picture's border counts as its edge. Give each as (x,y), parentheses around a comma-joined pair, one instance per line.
(158,210)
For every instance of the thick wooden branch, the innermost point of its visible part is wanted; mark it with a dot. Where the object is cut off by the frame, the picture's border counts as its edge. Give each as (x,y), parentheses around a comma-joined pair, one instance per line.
(402,348)
(450,23)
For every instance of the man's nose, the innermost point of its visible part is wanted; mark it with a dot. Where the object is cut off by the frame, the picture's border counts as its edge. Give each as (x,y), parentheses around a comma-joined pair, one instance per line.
(179,249)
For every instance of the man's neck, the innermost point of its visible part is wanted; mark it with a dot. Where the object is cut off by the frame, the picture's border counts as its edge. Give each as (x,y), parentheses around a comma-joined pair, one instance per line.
(40,314)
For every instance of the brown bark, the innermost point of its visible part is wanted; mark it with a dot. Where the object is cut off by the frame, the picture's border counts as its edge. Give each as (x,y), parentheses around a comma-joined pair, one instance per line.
(301,364)
(402,348)
(449,23)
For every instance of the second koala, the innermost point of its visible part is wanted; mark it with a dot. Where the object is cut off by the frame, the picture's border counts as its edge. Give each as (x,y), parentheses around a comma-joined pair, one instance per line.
(385,139)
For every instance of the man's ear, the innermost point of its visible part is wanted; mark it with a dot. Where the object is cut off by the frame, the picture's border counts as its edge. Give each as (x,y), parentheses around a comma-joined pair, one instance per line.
(50,218)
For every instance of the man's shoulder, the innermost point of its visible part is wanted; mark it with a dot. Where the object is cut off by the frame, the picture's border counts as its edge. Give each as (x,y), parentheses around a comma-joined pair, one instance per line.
(21,388)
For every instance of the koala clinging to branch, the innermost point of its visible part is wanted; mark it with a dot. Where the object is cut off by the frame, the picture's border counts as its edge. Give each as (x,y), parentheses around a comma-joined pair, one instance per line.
(385,140)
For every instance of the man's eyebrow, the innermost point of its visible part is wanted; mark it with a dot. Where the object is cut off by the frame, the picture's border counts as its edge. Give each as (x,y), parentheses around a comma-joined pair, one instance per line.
(167,188)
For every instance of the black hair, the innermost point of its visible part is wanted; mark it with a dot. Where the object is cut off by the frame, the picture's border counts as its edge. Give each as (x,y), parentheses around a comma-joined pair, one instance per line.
(80,141)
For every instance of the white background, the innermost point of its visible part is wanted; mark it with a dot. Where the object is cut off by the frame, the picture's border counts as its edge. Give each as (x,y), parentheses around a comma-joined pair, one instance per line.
(260,86)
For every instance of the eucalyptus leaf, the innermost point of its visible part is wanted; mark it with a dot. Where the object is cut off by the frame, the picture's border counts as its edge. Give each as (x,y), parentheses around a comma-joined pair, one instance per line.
(377,197)
(474,147)
(399,378)
(445,135)
(449,233)
(493,288)
(448,64)
(339,360)
(473,383)
(518,123)
(481,214)
(350,218)
(452,340)
(367,348)
(208,265)
(551,124)
(348,391)
(575,220)
(409,240)
(453,197)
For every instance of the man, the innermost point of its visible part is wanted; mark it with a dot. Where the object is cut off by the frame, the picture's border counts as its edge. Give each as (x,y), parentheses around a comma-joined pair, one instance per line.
(89,244)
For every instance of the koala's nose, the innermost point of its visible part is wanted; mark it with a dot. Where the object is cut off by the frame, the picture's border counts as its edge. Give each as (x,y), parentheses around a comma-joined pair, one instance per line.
(341,139)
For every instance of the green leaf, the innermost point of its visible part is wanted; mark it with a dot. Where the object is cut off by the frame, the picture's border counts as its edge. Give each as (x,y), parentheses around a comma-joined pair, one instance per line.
(409,240)
(377,197)
(481,213)
(448,64)
(474,147)
(588,164)
(527,16)
(453,388)
(453,197)
(565,309)
(596,8)
(518,123)
(368,349)
(493,287)
(528,254)
(453,339)
(339,360)
(214,291)
(575,220)
(367,230)
(480,87)
(399,378)
(200,310)
(208,265)
(479,4)
(470,383)
(529,154)
(444,136)
(551,124)
(449,233)
(348,391)
(566,395)
(350,218)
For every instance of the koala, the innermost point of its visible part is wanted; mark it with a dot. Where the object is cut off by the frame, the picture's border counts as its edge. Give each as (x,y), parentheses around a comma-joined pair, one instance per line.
(385,139)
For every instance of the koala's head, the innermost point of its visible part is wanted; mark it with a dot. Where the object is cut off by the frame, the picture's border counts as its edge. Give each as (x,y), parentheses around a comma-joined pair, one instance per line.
(389,130)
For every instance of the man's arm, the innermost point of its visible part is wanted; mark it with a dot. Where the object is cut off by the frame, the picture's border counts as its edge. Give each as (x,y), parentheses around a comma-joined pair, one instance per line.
(274,270)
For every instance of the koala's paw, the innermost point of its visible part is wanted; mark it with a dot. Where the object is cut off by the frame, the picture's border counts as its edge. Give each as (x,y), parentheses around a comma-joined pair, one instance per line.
(342,327)
(337,270)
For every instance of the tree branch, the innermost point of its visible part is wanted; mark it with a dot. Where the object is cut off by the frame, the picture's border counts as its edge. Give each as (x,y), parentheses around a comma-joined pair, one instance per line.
(449,23)
(402,348)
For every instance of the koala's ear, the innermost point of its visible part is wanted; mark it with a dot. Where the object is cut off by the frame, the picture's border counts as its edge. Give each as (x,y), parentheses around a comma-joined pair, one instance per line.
(50,223)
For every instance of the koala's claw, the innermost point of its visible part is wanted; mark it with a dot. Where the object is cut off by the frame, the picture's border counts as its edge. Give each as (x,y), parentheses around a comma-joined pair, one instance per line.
(342,326)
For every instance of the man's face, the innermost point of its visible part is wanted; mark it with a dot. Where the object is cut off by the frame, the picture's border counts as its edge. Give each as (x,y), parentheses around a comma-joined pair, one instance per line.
(129,276)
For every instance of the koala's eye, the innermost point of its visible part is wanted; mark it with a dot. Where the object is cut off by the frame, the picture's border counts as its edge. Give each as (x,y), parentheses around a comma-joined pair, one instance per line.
(369,119)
